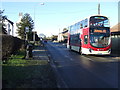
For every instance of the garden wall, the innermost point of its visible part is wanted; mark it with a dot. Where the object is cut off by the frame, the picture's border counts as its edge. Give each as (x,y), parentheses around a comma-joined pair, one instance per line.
(115,44)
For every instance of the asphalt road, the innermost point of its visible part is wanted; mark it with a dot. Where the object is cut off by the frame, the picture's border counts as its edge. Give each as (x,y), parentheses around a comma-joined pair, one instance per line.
(83,71)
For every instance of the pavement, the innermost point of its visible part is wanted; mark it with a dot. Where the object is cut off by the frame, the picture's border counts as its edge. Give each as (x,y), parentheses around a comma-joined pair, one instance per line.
(115,55)
(40,53)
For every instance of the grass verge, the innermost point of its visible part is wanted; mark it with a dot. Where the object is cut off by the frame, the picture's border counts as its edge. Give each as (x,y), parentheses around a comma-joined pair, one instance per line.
(21,73)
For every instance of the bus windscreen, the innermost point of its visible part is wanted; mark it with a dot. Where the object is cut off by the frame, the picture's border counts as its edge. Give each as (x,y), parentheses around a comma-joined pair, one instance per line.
(99,21)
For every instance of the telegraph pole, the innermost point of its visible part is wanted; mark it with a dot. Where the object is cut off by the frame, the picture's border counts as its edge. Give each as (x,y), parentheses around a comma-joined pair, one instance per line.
(99,9)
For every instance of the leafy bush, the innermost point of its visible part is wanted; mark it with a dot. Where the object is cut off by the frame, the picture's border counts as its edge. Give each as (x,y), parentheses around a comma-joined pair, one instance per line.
(10,45)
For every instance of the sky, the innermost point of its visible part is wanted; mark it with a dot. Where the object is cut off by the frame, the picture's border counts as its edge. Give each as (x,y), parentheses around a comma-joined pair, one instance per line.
(52,17)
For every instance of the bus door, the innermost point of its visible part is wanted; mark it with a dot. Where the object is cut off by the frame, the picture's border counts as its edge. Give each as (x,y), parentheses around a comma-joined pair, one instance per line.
(85,38)
(85,41)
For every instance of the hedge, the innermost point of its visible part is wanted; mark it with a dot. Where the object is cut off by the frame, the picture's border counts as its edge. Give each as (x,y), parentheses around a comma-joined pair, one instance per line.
(10,45)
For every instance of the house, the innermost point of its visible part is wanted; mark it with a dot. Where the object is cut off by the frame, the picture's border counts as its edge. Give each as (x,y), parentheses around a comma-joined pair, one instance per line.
(18,21)
(8,26)
(63,36)
(115,30)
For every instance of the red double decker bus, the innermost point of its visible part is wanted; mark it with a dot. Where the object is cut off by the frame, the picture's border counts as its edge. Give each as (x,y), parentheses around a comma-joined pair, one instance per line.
(90,36)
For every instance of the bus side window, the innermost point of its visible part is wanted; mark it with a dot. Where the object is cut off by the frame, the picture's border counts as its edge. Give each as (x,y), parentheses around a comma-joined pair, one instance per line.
(86,22)
(86,39)
(81,26)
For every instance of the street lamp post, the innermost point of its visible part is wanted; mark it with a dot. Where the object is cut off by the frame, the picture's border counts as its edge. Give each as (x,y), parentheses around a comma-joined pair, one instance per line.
(34,21)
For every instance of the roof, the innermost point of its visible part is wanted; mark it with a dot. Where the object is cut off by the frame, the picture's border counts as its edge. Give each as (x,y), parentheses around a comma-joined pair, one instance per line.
(116,28)
(64,31)
(9,21)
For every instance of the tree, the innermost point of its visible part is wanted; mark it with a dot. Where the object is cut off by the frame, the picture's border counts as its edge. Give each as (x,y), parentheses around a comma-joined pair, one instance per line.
(30,36)
(37,38)
(2,18)
(54,37)
(26,21)
(64,29)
